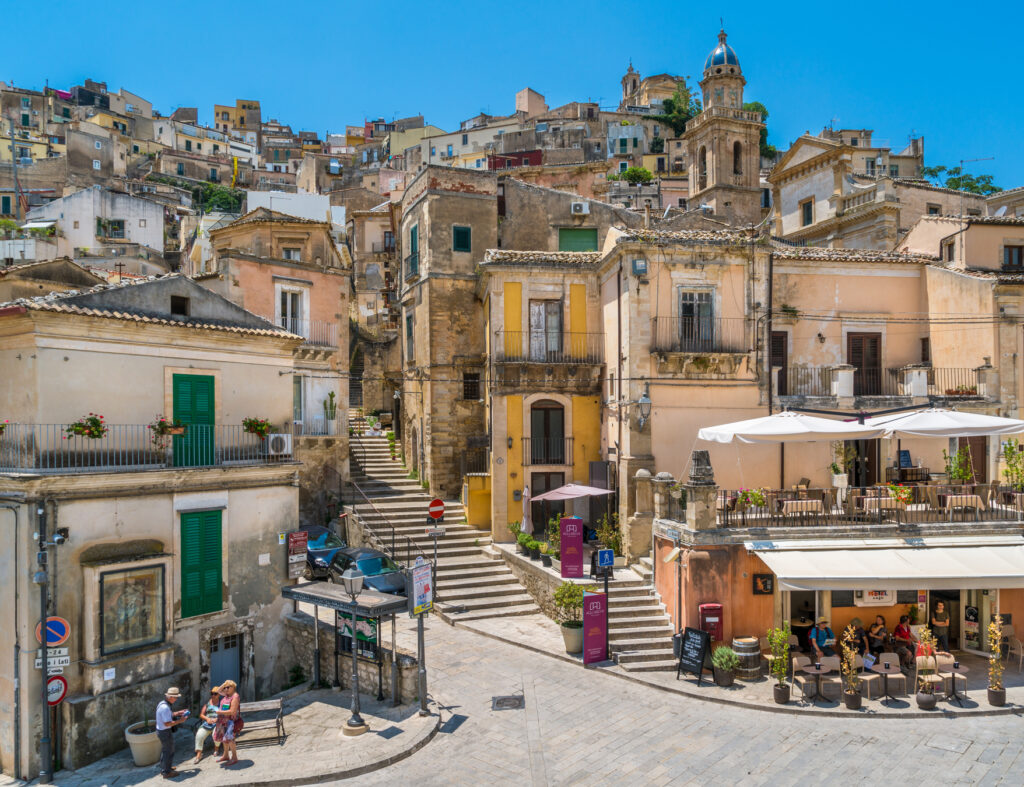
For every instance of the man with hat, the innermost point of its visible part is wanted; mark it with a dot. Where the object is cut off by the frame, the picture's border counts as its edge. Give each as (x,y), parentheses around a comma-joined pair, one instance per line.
(166,721)
(822,640)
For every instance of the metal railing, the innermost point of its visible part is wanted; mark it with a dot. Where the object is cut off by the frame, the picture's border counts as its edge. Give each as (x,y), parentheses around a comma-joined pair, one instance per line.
(381,533)
(412,265)
(383,248)
(321,333)
(50,448)
(547,451)
(699,335)
(316,426)
(805,381)
(554,347)
(868,381)
(961,383)
(476,460)
(844,507)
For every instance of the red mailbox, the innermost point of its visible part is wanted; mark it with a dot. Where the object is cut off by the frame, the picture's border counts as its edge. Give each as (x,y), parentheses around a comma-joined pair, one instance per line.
(711,620)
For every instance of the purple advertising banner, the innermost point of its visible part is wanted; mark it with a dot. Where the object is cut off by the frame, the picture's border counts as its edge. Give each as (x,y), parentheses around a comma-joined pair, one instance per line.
(571,547)
(595,627)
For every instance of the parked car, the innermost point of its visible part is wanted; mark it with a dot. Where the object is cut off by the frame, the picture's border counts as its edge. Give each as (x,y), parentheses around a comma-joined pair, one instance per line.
(381,572)
(321,547)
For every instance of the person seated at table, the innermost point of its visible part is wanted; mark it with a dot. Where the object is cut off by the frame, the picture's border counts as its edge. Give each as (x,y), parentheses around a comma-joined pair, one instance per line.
(877,634)
(821,639)
(860,637)
(905,642)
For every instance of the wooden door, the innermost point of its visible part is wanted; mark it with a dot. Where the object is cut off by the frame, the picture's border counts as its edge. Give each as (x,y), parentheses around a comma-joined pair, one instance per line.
(977,449)
(194,407)
(779,356)
(864,353)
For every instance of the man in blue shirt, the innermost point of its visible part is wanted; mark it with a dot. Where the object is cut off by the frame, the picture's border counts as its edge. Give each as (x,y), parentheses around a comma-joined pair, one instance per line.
(822,639)
(166,721)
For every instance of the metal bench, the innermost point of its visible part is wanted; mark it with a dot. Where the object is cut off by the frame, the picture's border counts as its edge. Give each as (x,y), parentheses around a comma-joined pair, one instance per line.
(277,722)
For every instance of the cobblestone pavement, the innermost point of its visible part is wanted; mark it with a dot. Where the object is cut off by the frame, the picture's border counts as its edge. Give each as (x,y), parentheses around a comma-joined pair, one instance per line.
(583,727)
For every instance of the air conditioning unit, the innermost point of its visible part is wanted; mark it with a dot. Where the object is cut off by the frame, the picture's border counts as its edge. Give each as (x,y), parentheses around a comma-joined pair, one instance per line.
(580,208)
(279,444)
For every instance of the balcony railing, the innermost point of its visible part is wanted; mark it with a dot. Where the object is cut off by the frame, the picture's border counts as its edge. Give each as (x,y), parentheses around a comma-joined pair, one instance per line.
(316,426)
(383,248)
(476,460)
(412,265)
(48,448)
(547,451)
(549,347)
(962,383)
(699,335)
(876,382)
(878,505)
(805,381)
(320,333)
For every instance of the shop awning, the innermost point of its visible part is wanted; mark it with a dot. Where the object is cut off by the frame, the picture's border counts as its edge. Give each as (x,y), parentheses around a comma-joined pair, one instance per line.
(895,564)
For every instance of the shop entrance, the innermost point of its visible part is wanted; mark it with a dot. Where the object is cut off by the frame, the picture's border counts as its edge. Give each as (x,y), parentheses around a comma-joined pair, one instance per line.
(803,609)
(978,606)
(951,598)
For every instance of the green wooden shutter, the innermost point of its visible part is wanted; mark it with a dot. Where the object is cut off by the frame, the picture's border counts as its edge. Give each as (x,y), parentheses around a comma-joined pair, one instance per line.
(194,406)
(577,239)
(201,563)
(414,239)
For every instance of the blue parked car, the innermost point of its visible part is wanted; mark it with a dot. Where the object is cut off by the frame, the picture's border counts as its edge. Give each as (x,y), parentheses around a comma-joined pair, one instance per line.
(322,546)
(381,572)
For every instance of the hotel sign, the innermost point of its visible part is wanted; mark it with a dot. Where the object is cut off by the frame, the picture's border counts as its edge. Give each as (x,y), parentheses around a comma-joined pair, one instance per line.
(874,598)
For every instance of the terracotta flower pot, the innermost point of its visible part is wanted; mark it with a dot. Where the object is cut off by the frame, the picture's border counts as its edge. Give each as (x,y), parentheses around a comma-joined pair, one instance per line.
(852,700)
(997,697)
(781,693)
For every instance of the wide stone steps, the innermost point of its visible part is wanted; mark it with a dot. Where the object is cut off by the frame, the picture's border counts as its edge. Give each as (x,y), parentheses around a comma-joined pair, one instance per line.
(632,631)
(660,660)
(463,582)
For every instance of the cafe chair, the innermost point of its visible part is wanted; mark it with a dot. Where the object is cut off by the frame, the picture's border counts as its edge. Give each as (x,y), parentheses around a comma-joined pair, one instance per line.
(802,679)
(926,670)
(899,677)
(794,643)
(766,654)
(868,679)
(944,662)
(834,678)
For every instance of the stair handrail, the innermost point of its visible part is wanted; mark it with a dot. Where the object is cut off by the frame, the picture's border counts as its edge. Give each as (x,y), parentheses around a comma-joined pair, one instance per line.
(411,550)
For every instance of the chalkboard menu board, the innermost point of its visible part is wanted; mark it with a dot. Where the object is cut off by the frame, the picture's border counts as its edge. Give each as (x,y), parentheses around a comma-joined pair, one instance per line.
(695,649)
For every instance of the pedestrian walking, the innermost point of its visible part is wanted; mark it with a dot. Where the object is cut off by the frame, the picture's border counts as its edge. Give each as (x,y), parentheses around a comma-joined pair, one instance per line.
(208,715)
(166,721)
(229,722)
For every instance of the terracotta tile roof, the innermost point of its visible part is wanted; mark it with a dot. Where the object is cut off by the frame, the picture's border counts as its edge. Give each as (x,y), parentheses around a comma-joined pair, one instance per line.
(921,183)
(1004,220)
(59,302)
(511,257)
(663,237)
(847,255)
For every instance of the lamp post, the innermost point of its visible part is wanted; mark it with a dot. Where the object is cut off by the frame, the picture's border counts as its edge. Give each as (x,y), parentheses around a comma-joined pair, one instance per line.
(352,581)
(644,406)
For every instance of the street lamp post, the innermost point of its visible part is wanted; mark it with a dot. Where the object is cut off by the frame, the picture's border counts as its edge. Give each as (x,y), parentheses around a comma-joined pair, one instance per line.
(352,581)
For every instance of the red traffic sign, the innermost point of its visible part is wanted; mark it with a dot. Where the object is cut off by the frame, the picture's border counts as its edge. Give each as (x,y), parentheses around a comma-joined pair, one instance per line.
(56,690)
(57,631)
(436,508)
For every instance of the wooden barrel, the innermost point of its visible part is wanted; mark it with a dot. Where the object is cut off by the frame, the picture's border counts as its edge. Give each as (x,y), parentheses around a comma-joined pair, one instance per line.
(748,649)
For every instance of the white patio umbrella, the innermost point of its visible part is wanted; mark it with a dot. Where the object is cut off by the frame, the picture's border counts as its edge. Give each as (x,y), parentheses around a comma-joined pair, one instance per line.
(940,422)
(788,427)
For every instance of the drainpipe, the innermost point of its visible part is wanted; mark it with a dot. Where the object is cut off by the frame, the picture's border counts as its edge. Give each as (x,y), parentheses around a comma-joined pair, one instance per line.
(45,748)
(618,367)
(17,645)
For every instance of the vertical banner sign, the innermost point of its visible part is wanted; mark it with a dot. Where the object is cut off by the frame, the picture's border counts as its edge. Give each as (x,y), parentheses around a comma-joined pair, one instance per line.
(571,548)
(595,627)
(298,541)
(422,593)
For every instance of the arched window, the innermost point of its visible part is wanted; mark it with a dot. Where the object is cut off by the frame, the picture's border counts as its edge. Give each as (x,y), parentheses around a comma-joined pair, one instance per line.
(702,168)
(737,158)
(547,433)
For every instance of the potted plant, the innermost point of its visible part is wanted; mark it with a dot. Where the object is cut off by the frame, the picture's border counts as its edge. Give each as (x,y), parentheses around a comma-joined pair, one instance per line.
(569,603)
(545,557)
(90,426)
(143,741)
(522,540)
(1013,456)
(925,688)
(392,447)
(257,426)
(608,534)
(958,466)
(851,694)
(751,498)
(996,690)
(533,548)
(3,427)
(778,642)
(724,662)
(903,495)
(330,414)
(163,429)
(843,457)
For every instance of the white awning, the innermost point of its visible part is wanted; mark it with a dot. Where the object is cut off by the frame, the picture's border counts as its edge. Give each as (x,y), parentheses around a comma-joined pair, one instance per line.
(787,427)
(895,564)
(38,224)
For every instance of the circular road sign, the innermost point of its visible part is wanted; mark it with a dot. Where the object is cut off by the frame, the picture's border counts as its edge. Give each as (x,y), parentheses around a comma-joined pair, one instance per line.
(57,631)
(436,508)
(56,690)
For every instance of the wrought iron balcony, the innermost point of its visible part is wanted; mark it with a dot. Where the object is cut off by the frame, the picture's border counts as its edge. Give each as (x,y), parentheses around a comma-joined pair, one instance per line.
(551,347)
(547,451)
(699,335)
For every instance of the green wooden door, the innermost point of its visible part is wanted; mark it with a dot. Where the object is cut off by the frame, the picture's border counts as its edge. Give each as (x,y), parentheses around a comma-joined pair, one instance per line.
(201,563)
(577,239)
(194,407)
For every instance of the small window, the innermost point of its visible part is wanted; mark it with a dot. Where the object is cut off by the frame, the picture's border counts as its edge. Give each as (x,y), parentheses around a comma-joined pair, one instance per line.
(216,148)
(854,141)
(25,119)
(181,168)
(65,112)
(449,150)
(199,146)
(926,350)
(188,146)
(807,212)
(623,166)
(465,139)
(75,227)
(934,210)
(135,148)
(894,170)
(98,144)
(1013,257)
(949,249)
(96,164)
(471,386)
(462,239)
(142,222)
(293,254)
(26,101)
(410,353)
(179,305)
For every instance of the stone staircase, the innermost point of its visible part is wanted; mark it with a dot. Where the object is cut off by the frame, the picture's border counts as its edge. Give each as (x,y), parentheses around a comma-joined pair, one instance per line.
(470,584)
(640,632)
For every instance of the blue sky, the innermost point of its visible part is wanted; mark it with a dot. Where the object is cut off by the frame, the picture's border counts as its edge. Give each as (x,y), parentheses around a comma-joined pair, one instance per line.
(947,71)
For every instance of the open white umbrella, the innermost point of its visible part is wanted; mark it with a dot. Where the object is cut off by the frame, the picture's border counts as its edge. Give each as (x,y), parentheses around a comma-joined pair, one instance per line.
(940,422)
(572,491)
(788,427)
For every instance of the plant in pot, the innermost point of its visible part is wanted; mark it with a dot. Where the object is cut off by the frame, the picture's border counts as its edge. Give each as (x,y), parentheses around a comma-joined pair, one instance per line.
(843,458)
(392,447)
(330,413)
(533,548)
(522,540)
(143,741)
(851,693)
(925,675)
(958,466)
(996,690)
(545,556)
(778,642)
(608,534)
(163,429)
(725,662)
(257,426)
(1013,457)
(91,426)
(569,604)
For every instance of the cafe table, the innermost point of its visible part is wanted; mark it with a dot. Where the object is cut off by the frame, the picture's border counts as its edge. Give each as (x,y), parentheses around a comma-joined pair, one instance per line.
(817,670)
(885,672)
(956,668)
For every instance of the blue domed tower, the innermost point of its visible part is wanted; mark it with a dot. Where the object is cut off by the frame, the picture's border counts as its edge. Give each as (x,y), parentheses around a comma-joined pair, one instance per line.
(722,143)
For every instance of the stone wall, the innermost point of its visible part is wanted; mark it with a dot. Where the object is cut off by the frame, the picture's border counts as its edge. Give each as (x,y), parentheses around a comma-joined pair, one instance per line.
(298,648)
(322,475)
(540,582)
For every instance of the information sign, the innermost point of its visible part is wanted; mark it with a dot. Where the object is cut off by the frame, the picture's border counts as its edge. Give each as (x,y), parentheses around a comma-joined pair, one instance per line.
(571,547)
(595,627)
(298,543)
(694,651)
(422,590)
(605,558)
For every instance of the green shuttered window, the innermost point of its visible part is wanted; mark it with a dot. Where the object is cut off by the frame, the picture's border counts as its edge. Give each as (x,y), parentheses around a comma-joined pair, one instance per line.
(201,563)
(577,239)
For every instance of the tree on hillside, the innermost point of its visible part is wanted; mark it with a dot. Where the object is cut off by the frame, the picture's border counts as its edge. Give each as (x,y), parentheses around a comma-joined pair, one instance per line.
(767,151)
(958,180)
(678,109)
(633,176)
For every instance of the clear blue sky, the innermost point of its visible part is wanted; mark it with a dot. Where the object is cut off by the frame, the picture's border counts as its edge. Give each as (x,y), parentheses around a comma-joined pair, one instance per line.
(947,71)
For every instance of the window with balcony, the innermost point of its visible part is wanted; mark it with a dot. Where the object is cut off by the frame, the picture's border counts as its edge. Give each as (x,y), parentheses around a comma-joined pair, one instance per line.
(293,309)
(1013,257)
(545,330)
(696,319)
(412,260)
(864,354)
(547,434)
